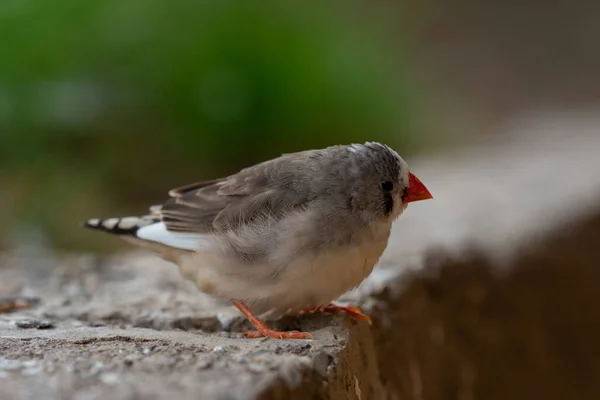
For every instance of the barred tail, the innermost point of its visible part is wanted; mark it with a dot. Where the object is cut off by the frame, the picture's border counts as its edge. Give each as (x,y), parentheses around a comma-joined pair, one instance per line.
(148,230)
(126,226)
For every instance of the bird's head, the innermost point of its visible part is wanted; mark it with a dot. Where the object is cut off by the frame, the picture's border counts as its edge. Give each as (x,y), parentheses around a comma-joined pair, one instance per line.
(382,184)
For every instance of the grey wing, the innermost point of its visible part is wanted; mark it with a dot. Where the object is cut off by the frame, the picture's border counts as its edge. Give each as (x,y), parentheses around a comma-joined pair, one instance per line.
(264,190)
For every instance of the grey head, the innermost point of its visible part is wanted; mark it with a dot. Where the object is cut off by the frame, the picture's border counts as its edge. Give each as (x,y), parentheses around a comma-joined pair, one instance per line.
(374,179)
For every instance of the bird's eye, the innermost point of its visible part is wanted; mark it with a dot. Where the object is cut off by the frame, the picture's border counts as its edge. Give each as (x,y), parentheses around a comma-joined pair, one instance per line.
(387,186)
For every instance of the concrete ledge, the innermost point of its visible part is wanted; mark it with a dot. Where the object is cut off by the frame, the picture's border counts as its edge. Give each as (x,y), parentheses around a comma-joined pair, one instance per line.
(133,327)
(130,327)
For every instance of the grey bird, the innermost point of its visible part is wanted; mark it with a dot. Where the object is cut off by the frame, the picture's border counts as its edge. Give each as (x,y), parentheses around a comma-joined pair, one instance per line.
(291,234)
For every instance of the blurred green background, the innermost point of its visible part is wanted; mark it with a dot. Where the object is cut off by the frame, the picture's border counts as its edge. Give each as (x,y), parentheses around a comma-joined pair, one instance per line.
(105,106)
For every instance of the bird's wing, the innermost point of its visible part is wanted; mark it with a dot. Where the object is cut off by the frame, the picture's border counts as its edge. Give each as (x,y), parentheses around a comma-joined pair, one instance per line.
(266,189)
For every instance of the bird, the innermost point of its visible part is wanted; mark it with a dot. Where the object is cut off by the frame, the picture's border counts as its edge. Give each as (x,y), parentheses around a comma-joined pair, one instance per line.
(290,234)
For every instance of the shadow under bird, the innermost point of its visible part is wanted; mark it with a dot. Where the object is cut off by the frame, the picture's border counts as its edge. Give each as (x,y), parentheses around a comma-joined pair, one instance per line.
(291,234)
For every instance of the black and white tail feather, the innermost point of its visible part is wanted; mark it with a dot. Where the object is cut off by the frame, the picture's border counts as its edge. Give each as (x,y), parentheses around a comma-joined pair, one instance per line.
(127,226)
(121,226)
(147,229)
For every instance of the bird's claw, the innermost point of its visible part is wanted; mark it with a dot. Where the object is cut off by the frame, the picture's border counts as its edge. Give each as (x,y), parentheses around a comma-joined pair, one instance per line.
(353,312)
(262,330)
(273,334)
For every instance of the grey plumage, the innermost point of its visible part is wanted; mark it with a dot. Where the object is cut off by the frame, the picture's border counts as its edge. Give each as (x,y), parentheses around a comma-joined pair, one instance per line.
(276,187)
(295,231)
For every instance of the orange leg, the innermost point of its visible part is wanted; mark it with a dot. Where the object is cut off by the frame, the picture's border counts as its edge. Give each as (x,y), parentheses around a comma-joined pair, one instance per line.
(264,330)
(352,311)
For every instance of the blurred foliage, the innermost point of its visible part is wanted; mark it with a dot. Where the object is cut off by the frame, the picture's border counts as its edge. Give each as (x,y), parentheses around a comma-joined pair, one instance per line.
(104,106)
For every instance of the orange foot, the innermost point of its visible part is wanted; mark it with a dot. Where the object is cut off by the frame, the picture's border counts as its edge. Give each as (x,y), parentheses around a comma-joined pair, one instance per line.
(352,311)
(262,330)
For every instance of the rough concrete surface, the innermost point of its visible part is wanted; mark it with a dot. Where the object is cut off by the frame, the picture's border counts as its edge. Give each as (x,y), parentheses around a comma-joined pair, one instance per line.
(449,327)
(118,327)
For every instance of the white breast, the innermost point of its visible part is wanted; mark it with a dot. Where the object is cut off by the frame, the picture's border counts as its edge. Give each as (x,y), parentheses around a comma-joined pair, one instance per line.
(311,283)
(309,280)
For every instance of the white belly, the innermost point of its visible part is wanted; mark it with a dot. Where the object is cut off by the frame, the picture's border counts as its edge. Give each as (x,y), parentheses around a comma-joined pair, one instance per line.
(308,281)
(311,283)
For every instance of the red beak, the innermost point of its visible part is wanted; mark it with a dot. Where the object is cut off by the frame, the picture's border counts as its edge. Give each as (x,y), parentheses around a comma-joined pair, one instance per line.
(415,191)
